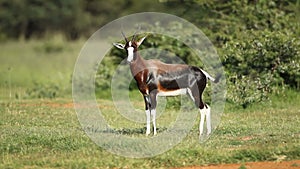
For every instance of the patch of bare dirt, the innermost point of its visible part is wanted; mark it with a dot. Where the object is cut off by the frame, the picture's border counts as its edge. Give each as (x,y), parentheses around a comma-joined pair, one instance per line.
(56,105)
(294,164)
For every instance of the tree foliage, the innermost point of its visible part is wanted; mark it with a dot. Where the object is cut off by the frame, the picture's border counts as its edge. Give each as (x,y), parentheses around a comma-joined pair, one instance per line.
(74,18)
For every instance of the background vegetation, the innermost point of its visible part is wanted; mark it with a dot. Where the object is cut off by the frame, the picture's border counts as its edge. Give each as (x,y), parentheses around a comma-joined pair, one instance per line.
(257,41)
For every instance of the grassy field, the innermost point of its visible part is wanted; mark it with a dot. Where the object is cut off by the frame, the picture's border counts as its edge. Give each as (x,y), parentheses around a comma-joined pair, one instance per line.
(27,64)
(47,134)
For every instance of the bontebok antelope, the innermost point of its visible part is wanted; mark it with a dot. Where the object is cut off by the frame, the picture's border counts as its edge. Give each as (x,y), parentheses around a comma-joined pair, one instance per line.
(155,78)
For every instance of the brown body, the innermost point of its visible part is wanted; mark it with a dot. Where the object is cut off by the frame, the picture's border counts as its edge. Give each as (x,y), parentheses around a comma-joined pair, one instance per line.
(154,77)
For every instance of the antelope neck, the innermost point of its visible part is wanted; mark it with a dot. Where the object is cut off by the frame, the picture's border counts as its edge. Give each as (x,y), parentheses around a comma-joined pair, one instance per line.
(138,64)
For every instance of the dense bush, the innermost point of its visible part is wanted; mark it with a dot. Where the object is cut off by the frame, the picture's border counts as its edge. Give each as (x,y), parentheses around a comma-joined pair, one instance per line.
(263,62)
(42,91)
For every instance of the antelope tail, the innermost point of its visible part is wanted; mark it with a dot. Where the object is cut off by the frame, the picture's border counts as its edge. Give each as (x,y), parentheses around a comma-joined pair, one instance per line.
(215,80)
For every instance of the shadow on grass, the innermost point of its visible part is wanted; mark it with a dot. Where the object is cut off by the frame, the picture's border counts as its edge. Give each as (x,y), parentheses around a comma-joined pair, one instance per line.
(123,131)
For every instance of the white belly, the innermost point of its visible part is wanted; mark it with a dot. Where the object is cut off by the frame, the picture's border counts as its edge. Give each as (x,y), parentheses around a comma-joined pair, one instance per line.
(173,93)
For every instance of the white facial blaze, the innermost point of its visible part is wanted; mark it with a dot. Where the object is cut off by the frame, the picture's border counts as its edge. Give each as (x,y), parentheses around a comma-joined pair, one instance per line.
(130,54)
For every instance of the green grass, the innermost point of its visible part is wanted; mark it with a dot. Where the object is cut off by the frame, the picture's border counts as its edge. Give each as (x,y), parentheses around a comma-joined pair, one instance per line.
(25,64)
(47,134)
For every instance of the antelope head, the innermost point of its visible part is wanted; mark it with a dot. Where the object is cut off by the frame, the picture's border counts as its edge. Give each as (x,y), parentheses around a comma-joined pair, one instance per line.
(131,46)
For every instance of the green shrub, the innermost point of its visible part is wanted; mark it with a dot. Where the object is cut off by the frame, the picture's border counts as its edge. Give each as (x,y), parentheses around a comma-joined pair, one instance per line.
(54,44)
(258,64)
(44,90)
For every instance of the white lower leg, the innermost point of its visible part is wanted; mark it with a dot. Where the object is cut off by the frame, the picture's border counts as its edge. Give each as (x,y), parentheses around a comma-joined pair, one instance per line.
(208,120)
(148,122)
(202,113)
(153,113)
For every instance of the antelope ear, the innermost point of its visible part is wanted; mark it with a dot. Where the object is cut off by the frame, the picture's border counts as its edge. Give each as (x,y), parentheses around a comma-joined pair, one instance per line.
(141,41)
(119,45)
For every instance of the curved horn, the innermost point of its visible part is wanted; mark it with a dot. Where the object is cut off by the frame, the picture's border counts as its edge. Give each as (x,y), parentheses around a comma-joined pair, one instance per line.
(124,36)
(134,35)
